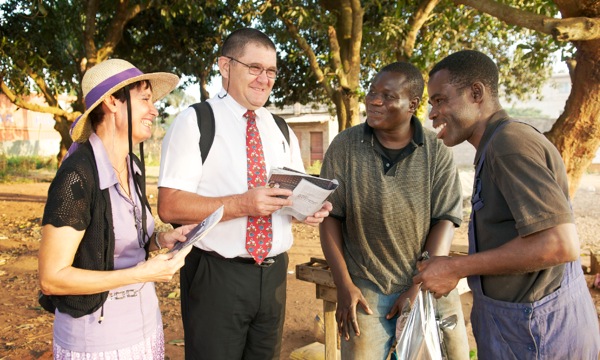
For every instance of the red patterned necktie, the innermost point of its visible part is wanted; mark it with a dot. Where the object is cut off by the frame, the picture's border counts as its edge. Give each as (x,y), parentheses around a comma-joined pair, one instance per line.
(259,234)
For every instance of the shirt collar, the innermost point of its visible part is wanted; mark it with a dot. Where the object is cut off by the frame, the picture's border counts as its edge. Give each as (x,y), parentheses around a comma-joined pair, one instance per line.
(106,174)
(417,139)
(496,119)
(235,107)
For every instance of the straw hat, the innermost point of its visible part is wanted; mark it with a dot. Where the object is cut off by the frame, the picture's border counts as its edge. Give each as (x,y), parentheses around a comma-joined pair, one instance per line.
(109,76)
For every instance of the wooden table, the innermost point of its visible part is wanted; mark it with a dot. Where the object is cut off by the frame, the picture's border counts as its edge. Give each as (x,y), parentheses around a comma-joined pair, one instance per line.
(317,271)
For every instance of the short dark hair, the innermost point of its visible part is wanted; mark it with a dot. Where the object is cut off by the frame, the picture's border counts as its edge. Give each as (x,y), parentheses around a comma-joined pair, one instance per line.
(97,115)
(236,41)
(468,66)
(413,75)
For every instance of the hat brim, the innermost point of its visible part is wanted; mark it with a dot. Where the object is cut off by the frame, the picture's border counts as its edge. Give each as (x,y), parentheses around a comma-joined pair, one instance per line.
(162,83)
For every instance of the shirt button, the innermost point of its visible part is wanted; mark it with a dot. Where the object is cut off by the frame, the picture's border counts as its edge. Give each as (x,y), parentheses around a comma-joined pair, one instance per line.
(531,348)
(527,311)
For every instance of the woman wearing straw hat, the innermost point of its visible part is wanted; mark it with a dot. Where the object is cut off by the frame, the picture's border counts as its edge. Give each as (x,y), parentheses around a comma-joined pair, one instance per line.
(97,225)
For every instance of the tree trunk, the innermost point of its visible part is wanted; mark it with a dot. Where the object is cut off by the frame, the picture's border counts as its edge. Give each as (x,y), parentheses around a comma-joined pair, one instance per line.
(347,109)
(353,110)
(203,84)
(62,125)
(576,133)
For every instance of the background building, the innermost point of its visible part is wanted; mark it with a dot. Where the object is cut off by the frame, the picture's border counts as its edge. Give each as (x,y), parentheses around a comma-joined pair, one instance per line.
(27,133)
(314,126)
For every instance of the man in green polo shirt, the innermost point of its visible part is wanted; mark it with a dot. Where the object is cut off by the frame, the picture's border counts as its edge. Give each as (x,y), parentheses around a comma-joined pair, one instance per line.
(399,195)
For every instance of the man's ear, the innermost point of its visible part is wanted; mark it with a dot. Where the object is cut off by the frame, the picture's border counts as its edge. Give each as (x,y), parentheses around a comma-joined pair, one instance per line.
(413,105)
(224,63)
(477,91)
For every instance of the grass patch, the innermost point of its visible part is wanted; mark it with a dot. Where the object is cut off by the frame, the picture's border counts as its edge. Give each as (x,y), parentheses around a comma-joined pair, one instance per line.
(314,168)
(26,168)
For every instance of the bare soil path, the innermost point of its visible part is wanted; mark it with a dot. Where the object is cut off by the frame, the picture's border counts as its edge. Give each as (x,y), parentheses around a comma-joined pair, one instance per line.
(26,330)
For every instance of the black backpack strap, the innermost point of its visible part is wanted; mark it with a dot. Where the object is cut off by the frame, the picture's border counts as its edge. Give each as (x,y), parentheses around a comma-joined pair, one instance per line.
(283,126)
(206,124)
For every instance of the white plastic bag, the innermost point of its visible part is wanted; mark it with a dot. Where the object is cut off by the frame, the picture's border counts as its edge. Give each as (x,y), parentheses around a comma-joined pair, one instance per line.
(417,332)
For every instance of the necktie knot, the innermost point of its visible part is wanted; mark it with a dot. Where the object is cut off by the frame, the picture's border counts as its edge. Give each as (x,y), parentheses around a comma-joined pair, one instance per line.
(250,115)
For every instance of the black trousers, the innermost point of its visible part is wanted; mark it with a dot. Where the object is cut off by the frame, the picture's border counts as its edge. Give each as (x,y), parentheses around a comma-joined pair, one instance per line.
(232,310)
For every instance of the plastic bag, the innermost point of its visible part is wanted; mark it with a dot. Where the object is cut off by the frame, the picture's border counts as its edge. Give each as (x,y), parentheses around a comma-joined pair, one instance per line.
(417,331)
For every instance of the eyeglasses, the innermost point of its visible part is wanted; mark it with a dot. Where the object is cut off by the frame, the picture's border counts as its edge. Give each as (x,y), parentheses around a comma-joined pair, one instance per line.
(257,70)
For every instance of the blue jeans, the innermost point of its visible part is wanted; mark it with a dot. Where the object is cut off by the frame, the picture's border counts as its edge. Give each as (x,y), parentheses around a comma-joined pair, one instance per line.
(377,334)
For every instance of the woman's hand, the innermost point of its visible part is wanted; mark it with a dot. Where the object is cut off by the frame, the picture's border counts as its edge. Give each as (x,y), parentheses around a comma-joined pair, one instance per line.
(162,267)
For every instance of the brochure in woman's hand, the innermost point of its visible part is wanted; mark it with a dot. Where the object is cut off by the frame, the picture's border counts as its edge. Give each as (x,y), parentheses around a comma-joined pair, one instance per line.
(200,230)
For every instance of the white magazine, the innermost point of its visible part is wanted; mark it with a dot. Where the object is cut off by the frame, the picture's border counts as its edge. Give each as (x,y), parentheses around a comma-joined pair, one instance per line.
(200,230)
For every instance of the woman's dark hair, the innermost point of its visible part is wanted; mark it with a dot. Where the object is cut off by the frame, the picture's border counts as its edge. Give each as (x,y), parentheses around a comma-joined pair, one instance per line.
(97,114)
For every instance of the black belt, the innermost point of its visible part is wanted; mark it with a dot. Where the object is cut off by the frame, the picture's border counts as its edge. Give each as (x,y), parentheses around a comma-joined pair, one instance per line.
(242,260)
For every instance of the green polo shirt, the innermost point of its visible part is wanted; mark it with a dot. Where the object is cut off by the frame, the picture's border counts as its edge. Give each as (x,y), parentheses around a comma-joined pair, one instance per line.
(387,211)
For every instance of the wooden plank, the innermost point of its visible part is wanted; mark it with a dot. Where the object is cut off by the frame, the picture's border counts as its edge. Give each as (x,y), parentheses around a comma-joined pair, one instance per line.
(327,293)
(315,271)
(594,263)
(457,249)
(330,330)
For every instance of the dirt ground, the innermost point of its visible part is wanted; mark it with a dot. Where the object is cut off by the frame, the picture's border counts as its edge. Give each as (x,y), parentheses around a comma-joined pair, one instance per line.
(26,329)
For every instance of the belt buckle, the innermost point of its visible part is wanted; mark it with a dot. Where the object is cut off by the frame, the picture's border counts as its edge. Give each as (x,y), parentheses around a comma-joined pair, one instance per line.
(266,263)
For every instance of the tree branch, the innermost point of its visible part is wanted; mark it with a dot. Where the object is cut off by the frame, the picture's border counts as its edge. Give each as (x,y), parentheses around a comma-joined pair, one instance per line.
(573,29)
(90,30)
(357,29)
(416,23)
(312,58)
(569,29)
(41,83)
(336,59)
(20,102)
(115,34)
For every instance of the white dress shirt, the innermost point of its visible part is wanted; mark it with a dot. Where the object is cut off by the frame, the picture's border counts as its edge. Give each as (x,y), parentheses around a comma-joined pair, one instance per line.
(224,172)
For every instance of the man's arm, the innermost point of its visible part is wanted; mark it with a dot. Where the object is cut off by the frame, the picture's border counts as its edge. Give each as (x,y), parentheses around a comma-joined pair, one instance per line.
(541,250)
(438,243)
(440,238)
(348,294)
(184,207)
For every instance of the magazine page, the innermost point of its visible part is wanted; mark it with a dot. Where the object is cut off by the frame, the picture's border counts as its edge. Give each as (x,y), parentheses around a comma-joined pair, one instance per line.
(289,178)
(309,192)
(200,230)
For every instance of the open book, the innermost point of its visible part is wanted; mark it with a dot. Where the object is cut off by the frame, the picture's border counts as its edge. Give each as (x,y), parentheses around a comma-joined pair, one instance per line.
(310,192)
(200,230)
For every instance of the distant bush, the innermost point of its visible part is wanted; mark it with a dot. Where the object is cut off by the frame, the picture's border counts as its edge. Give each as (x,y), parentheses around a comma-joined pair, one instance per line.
(314,168)
(22,168)
(525,113)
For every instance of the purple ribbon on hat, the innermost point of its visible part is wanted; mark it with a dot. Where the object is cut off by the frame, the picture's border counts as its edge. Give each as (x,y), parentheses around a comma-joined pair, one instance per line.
(99,90)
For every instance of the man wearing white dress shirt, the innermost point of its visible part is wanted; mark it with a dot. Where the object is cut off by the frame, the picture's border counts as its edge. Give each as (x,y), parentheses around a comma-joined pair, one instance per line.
(233,306)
